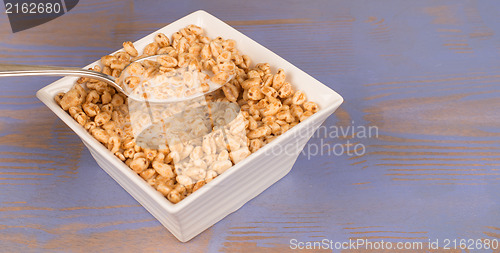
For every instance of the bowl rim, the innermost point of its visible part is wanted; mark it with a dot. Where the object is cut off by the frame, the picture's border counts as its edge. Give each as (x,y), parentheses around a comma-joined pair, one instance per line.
(88,139)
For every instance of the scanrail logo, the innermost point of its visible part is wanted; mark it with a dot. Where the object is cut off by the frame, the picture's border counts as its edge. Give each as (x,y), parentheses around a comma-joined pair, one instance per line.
(26,14)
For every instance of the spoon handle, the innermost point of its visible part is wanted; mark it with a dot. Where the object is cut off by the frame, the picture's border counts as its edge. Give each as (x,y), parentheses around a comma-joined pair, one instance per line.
(39,70)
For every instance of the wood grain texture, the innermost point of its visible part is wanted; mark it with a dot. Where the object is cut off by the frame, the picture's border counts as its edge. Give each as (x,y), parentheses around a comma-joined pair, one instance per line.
(425,73)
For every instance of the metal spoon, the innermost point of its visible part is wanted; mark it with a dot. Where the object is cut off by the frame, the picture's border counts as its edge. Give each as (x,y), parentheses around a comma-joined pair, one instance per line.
(41,70)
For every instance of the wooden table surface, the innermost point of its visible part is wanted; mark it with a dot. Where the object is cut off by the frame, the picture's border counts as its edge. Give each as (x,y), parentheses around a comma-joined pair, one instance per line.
(425,73)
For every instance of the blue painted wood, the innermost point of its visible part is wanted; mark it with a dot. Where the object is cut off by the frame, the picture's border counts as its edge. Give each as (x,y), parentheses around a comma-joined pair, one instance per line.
(426,73)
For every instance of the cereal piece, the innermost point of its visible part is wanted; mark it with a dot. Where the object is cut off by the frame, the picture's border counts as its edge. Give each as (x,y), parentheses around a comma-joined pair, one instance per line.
(114,144)
(197,173)
(107,60)
(167,61)
(296,110)
(117,100)
(268,119)
(259,132)
(230,91)
(107,70)
(287,101)
(152,181)
(183,45)
(118,65)
(223,155)
(268,80)
(147,174)
(91,109)
(251,82)
(285,127)
(92,97)
(136,69)
(74,97)
(119,155)
(205,52)
(164,189)
(211,174)
(183,60)
(299,98)
(59,96)
(253,74)
(220,78)
(246,62)
(132,81)
(128,142)
(163,169)
(139,164)
(228,44)
(224,56)
(269,91)
(305,115)
(234,142)
(162,40)
(100,135)
(226,66)
(221,166)
(102,118)
(255,145)
(81,118)
(270,138)
(255,93)
(176,36)
(215,48)
(116,73)
(209,146)
(123,57)
(237,59)
(272,108)
(130,49)
(265,67)
(197,153)
(238,155)
(165,50)
(252,123)
(74,110)
(210,158)
(198,185)
(186,151)
(174,196)
(129,153)
(275,128)
(195,50)
(279,79)
(196,30)
(151,49)
(90,125)
(310,106)
(160,157)
(173,157)
(107,108)
(150,154)
(285,115)
(184,180)
(106,97)
(281,122)
(286,90)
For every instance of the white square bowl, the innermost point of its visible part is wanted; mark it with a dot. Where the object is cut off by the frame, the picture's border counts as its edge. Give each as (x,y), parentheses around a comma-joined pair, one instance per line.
(244,181)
